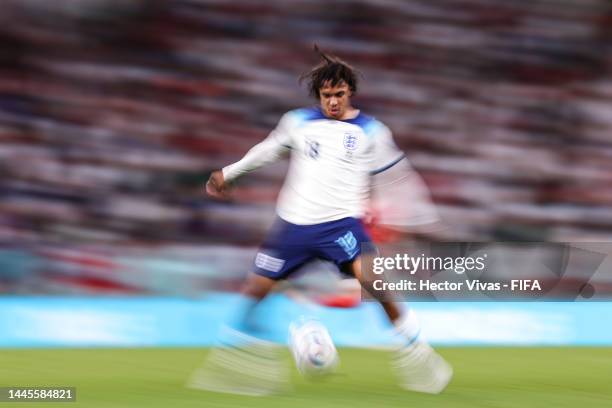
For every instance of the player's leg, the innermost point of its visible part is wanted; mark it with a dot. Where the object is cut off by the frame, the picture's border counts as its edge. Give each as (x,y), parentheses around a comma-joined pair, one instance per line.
(284,251)
(392,309)
(404,321)
(342,242)
(255,288)
(420,367)
(246,361)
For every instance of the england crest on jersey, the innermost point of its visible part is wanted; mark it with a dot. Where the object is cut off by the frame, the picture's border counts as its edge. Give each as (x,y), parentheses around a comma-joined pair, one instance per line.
(350,141)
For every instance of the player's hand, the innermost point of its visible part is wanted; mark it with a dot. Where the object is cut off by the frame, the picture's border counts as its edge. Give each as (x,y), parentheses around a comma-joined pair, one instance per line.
(216,186)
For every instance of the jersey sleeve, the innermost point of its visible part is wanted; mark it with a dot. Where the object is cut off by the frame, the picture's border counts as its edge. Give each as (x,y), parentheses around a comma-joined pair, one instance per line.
(270,150)
(386,152)
(399,195)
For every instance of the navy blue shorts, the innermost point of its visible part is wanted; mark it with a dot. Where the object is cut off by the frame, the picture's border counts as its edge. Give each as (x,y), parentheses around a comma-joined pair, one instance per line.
(289,246)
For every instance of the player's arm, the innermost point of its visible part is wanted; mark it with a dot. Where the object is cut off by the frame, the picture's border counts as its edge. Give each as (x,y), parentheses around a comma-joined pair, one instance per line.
(400,197)
(268,151)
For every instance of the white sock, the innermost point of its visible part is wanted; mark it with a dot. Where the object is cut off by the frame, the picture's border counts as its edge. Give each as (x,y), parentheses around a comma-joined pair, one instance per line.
(408,328)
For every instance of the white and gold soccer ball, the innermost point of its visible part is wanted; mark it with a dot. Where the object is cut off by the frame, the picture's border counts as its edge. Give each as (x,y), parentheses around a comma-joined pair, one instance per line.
(313,349)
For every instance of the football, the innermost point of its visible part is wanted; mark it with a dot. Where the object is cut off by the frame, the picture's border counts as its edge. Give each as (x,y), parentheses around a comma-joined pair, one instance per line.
(312,348)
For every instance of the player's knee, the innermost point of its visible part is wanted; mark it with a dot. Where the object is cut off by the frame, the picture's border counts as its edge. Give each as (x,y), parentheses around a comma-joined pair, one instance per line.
(368,286)
(253,291)
(257,287)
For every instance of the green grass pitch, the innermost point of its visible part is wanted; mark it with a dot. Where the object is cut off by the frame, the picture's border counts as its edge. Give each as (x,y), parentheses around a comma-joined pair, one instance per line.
(484,377)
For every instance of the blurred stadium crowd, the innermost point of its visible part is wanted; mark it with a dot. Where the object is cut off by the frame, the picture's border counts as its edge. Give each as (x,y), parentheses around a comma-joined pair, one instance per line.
(113,113)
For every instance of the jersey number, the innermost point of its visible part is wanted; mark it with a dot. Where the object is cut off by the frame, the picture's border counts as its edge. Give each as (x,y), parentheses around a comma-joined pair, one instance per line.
(312,149)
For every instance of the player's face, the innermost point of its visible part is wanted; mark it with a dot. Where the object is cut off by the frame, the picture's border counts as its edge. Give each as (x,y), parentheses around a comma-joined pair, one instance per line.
(335,100)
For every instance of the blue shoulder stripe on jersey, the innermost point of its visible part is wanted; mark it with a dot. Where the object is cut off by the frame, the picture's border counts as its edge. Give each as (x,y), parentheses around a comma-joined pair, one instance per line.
(367,123)
(388,166)
(372,126)
(307,114)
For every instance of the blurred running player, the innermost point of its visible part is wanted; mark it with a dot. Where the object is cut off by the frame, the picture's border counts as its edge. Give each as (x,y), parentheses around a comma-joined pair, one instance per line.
(337,154)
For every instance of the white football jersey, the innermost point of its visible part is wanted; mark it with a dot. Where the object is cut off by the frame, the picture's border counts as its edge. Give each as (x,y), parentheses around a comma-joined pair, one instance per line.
(331,164)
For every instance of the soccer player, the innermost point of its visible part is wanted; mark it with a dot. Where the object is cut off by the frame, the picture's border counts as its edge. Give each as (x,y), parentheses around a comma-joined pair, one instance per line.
(335,152)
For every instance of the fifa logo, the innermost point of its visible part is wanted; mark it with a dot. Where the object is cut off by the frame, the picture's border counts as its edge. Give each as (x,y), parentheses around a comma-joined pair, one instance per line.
(350,141)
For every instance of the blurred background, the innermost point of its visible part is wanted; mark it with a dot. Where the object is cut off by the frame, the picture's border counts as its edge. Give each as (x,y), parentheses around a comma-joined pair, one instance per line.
(114,113)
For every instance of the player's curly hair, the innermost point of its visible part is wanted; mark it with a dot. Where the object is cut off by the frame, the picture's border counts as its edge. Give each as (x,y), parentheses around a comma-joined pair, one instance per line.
(333,70)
